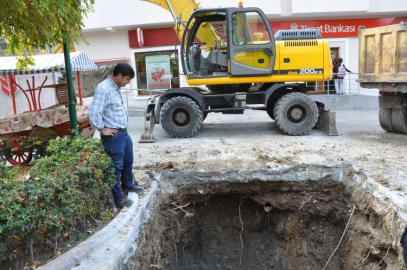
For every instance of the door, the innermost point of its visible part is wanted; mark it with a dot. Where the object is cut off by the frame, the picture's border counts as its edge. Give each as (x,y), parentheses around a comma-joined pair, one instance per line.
(251,43)
(334,53)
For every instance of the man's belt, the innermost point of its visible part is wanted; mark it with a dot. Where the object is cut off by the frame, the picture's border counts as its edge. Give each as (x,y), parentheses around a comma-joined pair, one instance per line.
(120,129)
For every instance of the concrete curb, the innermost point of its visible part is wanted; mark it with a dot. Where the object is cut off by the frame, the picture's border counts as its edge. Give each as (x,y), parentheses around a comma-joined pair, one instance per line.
(348,102)
(114,253)
(75,255)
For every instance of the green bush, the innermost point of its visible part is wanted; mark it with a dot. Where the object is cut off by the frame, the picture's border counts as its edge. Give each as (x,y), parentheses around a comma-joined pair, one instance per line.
(65,188)
(4,172)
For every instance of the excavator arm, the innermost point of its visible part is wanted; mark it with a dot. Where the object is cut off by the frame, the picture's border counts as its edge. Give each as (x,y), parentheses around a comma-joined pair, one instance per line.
(181,11)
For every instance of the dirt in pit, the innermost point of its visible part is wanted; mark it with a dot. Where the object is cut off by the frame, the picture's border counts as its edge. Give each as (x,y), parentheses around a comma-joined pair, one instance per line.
(298,230)
(235,232)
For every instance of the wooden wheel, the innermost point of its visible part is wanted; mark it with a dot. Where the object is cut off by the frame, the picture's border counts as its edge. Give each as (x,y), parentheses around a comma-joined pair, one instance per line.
(18,155)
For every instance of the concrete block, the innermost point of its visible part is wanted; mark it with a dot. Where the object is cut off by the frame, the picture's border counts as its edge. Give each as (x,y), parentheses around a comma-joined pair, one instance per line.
(347,102)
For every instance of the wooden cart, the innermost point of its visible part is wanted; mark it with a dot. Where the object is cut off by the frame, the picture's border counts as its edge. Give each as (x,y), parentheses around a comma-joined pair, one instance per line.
(39,121)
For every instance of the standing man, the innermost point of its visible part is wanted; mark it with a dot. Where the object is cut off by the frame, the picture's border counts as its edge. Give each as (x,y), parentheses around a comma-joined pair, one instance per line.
(108,114)
(335,76)
(340,76)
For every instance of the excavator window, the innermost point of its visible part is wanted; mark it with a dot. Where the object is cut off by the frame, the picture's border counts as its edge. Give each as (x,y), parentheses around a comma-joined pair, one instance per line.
(221,42)
(251,43)
(206,47)
(249,29)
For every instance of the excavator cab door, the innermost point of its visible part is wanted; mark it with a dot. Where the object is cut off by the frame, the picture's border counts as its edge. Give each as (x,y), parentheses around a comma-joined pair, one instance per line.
(251,43)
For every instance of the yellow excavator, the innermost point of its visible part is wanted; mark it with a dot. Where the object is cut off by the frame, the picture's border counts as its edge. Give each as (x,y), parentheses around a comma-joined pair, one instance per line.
(244,65)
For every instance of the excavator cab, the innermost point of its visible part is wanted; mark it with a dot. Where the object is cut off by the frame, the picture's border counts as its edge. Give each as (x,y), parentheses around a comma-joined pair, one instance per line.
(229,42)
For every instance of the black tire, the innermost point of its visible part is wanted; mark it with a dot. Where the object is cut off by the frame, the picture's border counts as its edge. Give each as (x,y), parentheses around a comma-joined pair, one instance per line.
(385,119)
(399,120)
(295,114)
(181,117)
(205,114)
(270,113)
(229,88)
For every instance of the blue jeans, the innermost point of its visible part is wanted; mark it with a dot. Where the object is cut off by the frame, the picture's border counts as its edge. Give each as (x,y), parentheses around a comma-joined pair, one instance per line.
(120,148)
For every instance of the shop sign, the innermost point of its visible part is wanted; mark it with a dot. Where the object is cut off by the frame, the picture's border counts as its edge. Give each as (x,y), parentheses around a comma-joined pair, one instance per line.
(335,28)
(158,72)
(329,28)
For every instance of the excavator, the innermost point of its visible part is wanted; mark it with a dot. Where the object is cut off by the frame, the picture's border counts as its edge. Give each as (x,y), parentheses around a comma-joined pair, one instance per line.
(232,61)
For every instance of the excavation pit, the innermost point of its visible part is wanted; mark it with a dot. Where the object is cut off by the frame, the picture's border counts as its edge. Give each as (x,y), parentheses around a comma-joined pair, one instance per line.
(304,217)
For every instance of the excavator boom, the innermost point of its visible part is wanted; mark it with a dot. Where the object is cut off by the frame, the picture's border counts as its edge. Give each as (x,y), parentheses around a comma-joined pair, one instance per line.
(181,11)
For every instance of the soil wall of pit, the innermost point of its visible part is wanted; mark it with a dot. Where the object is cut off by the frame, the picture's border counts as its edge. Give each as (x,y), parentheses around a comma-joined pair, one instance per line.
(305,218)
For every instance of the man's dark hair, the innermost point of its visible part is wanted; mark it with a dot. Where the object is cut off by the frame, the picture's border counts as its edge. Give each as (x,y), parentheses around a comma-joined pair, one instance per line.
(340,60)
(124,69)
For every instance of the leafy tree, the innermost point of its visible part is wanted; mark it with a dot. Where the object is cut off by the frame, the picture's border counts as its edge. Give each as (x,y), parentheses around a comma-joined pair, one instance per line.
(30,25)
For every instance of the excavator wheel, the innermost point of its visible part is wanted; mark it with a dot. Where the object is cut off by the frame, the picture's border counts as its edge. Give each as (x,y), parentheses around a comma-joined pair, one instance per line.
(399,120)
(229,88)
(385,119)
(295,113)
(181,117)
(270,113)
(205,114)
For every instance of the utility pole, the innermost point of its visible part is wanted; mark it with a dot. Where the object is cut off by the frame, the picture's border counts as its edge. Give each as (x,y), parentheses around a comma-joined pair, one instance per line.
(71,96)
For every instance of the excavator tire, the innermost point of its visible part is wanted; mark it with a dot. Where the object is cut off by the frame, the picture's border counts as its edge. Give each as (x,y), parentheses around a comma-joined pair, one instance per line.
(181,117)
(399,120)
(229,88)
(385,119)
(270,113)
(295,113)
(205,114)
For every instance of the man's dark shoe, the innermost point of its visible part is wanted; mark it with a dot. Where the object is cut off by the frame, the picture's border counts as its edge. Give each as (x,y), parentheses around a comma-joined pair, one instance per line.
(133,188)
(120,203)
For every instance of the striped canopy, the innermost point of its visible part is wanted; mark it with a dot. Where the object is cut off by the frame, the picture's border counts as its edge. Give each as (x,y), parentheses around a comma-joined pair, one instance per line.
(47,63)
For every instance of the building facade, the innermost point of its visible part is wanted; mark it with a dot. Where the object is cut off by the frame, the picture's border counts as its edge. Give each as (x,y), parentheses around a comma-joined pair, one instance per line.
(137,32)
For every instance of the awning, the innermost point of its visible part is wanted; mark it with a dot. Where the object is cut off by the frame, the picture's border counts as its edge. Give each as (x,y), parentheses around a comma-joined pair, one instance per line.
(47,63)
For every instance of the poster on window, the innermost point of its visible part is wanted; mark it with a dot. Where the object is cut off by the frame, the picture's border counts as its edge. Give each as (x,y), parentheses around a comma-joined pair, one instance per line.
(158,72)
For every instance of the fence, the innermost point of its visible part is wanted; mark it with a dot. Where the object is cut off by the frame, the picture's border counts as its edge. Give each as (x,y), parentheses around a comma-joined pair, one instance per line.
(131,93)
(350,87)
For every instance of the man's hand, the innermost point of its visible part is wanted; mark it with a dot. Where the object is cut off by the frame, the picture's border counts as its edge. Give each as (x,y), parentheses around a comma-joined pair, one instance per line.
(108,131)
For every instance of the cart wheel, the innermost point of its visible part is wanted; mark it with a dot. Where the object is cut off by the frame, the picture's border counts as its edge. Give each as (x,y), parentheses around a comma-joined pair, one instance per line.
(18,156)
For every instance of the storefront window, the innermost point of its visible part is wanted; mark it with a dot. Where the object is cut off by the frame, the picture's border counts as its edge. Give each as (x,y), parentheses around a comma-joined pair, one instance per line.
(157,70)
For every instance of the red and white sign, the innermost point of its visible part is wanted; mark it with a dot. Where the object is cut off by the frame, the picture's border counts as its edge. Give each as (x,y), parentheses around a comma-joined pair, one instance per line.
(7,87)
(158,72)
(140,37)
(329,28)
(335,28)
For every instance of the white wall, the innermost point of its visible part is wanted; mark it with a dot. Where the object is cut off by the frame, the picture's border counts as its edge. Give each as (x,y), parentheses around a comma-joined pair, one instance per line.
(136,13)
(130,14)
(105,44)
(317,6)
(381,6)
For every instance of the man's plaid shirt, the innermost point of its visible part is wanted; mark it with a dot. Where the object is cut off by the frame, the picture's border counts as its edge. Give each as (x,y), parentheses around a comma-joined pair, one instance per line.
(108,109)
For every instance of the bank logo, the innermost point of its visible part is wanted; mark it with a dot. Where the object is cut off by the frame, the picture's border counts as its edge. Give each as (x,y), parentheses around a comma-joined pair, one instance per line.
(294,26)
